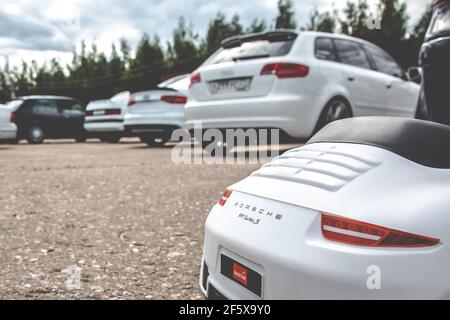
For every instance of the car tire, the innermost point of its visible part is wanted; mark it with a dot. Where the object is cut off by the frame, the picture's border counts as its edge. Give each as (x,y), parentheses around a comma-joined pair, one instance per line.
(35,135)
(153,142)
(336,109)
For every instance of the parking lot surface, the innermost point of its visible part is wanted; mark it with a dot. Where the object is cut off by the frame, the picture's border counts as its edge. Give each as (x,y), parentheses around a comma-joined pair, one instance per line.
(123,219)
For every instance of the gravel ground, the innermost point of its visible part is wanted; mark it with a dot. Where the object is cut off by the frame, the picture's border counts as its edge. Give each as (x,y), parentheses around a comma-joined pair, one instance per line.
(128,217)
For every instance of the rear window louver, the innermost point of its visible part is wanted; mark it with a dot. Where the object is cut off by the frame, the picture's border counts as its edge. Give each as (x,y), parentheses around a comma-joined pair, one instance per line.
(318,166)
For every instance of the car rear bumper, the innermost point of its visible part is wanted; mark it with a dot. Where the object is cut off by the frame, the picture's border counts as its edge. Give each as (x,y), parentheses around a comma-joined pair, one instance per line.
(295,115)
(297,263)
(9,132)
(104,124)
(155,130)
(174,119)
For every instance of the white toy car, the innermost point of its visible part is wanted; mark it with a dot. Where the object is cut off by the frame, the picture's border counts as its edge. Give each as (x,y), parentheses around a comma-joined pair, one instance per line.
(360,212)
(153,115)
(297,82)
(104,118)
(8,129)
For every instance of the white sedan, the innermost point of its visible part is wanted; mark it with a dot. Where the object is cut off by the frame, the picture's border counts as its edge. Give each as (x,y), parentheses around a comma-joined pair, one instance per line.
(153,115)
(360,212)
(104,118)
(8,129)
(297,82)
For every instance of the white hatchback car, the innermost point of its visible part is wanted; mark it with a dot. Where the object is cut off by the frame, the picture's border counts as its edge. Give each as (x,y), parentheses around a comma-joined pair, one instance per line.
(153,115)
(297,82)
(8,129)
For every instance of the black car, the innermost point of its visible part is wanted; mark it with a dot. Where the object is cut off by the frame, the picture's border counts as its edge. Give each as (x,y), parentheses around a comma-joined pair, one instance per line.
(41,117)
(435,64)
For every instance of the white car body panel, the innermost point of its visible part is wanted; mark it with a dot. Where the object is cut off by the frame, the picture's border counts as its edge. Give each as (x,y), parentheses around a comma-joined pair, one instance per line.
(104,123)
(294,105)
(100,122)
(150,114)
(292,255)
(155,111)
(8,130)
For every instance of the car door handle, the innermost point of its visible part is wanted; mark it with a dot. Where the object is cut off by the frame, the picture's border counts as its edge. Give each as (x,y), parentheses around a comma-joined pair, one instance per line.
(351,79)
(389,86)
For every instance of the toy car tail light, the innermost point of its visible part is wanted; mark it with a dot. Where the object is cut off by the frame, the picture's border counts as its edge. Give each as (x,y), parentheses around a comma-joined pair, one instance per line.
(285,70)
(225,197)
(174,99)
(131,101)
(195,78)
(12,117)
(368,235)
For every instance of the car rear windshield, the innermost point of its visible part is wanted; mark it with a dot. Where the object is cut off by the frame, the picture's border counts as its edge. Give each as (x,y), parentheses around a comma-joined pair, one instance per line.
(440,21)
(255,49)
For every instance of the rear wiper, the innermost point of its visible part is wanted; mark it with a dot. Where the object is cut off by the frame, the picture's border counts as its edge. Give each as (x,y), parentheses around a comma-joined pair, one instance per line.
(251,57)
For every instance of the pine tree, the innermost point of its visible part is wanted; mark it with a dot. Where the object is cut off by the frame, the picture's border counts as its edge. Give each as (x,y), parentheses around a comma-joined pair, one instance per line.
(356,15)
(286,15)
(324,21)
(257,26)
(219,29)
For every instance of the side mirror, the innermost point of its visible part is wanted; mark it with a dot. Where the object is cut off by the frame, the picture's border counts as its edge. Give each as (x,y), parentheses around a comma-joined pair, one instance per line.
(415,74)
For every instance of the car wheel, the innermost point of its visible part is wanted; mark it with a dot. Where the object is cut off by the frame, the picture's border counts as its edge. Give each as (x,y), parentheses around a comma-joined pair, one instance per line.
(154,142)
(35,135)
(336,109)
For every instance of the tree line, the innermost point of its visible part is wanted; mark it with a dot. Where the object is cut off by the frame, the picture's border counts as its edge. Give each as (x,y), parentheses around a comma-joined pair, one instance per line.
(92,75)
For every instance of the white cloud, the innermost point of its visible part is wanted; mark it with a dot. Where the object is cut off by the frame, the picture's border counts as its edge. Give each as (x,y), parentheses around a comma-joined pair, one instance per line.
(44,28)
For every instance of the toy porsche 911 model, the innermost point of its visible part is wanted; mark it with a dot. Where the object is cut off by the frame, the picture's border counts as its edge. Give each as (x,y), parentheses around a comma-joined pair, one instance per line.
(360,212)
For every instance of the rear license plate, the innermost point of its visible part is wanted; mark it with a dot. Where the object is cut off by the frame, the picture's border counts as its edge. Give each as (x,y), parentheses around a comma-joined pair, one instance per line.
(242,275)
(98,112)
(230,85)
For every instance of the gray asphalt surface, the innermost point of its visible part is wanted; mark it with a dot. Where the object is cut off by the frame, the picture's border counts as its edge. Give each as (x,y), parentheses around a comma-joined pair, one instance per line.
(126,215)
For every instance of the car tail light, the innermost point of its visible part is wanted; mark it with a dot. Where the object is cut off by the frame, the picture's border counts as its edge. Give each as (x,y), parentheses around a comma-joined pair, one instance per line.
(89,113)
(131,101)
(113,112)
(174,99)
(12,117)
(195,78)
(368,235)
(436,2)
(285,70)
(225,197)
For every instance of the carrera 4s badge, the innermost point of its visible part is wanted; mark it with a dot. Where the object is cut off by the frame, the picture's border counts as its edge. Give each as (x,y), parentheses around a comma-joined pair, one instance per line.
(254,214)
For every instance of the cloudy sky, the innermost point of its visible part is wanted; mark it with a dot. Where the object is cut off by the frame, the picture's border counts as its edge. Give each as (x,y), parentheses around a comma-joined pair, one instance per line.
(42,29)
